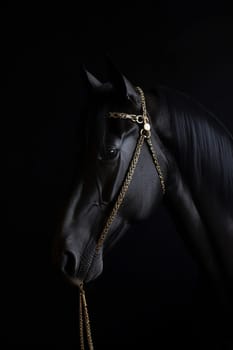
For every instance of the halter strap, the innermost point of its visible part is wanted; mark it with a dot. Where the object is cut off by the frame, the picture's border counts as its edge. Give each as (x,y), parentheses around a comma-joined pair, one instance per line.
(145,134)
(139,119)
(145,130)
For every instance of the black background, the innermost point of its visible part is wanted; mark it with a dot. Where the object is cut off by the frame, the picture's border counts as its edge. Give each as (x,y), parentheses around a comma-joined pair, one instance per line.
(151,291)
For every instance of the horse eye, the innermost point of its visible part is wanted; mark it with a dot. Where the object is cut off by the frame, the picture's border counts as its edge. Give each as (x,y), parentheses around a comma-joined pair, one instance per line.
(109,153)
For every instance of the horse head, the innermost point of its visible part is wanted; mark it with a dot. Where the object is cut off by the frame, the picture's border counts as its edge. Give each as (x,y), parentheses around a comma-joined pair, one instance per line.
(107,150)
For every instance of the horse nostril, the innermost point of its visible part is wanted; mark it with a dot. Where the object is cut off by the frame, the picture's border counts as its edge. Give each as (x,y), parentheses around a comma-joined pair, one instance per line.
(69,263)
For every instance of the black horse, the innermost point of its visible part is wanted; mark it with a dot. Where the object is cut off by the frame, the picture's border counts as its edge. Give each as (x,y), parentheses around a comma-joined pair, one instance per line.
(188,164)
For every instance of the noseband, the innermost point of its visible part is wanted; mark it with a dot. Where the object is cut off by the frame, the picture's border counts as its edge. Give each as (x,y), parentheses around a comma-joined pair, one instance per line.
(143,122)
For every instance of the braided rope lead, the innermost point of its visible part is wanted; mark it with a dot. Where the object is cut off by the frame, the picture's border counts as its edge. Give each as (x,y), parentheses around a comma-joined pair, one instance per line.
(81,322)
(82,303)
(145,134)
(84,320)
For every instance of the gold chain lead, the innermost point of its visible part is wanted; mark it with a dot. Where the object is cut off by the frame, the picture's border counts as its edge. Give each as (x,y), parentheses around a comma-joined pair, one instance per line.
(145,134)
(83,309)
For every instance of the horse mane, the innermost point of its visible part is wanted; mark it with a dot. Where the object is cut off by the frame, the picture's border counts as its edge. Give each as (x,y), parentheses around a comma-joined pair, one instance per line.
(202,145)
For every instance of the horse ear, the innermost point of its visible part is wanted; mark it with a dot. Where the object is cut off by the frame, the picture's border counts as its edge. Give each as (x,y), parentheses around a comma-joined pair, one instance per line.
(122,85)
(89,79)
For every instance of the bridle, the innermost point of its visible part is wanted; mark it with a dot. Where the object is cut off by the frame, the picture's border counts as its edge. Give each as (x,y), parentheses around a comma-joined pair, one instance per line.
(143,122)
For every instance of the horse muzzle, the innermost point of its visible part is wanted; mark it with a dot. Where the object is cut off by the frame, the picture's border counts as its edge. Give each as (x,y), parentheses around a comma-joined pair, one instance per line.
(82,269)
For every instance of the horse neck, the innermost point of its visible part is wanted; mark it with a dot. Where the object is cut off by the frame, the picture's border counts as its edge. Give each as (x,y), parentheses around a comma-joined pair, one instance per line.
(197,141)
(201,210)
